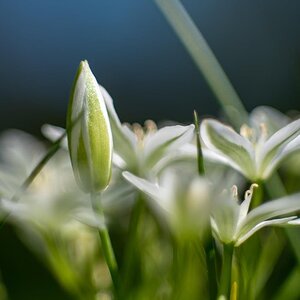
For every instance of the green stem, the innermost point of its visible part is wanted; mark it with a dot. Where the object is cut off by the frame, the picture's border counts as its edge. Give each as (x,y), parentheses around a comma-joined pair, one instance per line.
(106,245)
(210,256)
(132,258)
(204,58)
(210,252)
(225,280)
(200,161)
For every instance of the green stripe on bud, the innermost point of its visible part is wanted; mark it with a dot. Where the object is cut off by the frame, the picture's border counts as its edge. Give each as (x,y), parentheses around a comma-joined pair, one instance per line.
(89,132)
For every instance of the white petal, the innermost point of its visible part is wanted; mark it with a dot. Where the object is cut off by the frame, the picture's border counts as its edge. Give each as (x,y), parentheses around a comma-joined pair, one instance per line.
(118,161)
(271,209)
(294,222)
(215,157)
(260,225)
(275,145)
(143,185)
(271,117)
(124,139)
(89,218)
(223,140)
(244,207)
(186,152)
(158,194)
(288,149)
(166,139)
(225,214)
(53,133)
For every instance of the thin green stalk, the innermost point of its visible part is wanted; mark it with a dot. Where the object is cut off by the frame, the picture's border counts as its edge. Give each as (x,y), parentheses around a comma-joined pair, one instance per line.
(225,280)
(200,160)
(210,251)
(132,258)
(106,245)
(210,256)
(204,58)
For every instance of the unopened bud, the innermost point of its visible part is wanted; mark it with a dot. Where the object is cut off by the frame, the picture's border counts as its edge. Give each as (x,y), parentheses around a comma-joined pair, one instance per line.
(89,132)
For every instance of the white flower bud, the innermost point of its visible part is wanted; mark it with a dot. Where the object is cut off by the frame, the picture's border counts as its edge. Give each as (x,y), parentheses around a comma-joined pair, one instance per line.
(89,132)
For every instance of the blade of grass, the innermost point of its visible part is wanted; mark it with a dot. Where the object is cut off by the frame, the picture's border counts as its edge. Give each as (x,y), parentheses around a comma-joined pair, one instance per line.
(199,149)
(196,45)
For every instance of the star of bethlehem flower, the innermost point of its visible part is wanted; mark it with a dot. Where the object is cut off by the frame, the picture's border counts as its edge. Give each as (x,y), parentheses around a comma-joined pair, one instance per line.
(231,221)
(143,151)
(254,153)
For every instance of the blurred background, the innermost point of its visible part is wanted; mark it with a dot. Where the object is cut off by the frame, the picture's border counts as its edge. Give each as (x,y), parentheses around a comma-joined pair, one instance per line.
(137,57)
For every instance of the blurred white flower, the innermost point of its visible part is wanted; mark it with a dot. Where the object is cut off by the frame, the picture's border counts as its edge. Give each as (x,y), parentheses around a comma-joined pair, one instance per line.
(180,199)
(53,213)
(231,221)
(53,197)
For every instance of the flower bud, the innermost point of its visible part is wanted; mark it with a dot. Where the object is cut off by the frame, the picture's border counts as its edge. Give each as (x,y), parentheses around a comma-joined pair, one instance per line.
(89,132)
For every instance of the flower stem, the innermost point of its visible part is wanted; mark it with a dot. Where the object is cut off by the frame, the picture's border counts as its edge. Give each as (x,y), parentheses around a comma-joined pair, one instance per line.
(196,45)
(225,280)
(210,251)
(106,245)
(132,263)
(210,256)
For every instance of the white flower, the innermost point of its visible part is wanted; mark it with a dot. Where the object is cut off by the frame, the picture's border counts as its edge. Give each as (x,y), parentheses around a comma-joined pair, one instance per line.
(181,200)
(231,221)
(254,154)
(143,151)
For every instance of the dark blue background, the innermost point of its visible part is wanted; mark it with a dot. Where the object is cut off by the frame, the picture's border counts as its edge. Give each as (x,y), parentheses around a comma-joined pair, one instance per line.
(138,58)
